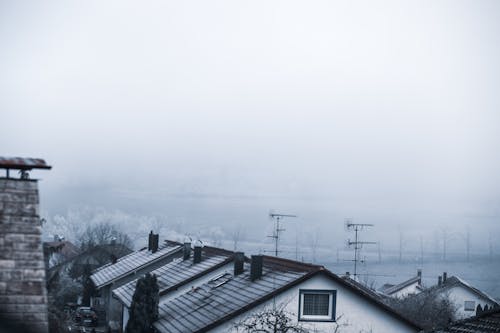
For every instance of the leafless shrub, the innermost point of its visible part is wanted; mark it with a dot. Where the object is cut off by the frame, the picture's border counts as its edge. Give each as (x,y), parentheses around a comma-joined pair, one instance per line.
(428,309)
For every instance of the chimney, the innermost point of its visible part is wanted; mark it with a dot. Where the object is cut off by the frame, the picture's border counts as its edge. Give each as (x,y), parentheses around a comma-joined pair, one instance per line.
(419,273)
(440,280)
(239,260)
(347,274)
(445,276)
(197,255)
(187,251)
(256,267)
(153,242)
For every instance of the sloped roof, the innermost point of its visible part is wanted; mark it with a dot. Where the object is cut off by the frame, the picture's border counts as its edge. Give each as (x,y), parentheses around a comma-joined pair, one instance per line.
(374,294)
(486,322)
(213,303)
(456,281)
(67,249)
(178,272)
(402,285)
(131,262)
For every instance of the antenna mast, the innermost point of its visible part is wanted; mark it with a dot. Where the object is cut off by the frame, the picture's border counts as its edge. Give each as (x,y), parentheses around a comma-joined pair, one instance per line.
(276,234)
(357,227)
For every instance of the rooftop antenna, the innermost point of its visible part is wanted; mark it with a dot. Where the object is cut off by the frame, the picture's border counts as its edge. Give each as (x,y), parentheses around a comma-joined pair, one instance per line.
(357,227)
(276,234)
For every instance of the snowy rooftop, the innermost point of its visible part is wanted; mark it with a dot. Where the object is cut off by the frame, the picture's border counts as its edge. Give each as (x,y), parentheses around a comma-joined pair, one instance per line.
(129,263)
(179,272)
(214,302)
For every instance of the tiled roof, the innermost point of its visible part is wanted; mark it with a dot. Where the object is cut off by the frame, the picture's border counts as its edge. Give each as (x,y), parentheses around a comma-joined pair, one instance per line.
(129,263)
(211,303)
(178,272)
(487,322)
(402,285)
(215,302)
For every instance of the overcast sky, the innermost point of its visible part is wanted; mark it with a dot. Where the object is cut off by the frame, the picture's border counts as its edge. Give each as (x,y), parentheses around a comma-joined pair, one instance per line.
(217,111)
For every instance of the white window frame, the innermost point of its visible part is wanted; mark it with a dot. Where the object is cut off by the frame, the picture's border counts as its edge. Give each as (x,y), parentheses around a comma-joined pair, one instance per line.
(332,300)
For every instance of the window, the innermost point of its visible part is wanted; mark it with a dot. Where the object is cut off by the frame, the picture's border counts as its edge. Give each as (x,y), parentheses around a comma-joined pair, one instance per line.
(317,305)
(469,306)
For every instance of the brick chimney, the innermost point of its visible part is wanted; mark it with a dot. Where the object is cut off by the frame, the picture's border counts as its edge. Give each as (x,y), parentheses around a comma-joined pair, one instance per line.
(239,261)
(186,251)
(22,287)
(153,242)
(256,267)
(197,255)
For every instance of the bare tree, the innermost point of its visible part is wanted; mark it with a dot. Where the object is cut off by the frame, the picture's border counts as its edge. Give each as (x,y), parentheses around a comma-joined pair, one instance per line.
(102,234)
(275,320)
(428,309)
(400,245)
(314,243)
(237,235)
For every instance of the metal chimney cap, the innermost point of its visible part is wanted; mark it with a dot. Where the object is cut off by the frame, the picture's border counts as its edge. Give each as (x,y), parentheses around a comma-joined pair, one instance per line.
(23,163)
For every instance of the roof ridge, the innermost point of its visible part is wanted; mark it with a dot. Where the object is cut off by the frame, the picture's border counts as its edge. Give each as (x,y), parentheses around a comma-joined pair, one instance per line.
(292,263)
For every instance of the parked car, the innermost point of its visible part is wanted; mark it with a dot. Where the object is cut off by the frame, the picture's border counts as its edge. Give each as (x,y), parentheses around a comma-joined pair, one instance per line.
(86,316)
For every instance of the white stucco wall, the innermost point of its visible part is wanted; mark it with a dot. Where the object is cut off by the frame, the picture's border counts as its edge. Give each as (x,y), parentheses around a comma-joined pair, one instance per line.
(459,294)
(408,290)
(354,313)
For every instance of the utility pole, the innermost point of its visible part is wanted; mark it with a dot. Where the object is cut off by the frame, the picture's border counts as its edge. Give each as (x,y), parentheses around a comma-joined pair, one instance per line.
(276,234)
(357,227)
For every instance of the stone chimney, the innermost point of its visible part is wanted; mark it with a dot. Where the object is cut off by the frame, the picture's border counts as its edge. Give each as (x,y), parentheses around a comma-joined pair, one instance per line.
(419,273)
(445,276)
(23,297)
(440,280)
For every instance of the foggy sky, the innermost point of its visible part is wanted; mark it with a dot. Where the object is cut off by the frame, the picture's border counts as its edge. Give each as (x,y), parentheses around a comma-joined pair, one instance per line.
(217,111)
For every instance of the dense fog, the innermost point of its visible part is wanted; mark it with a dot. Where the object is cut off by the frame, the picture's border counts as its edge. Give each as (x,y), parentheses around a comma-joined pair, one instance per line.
(200,117)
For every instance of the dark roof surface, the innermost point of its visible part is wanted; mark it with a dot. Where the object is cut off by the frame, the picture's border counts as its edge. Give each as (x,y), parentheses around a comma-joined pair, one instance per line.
(22,163)
(178,272)
(456,281)
(487,322)
(65,248)
(129,263)
(402,285)
(219,300)
(363,287)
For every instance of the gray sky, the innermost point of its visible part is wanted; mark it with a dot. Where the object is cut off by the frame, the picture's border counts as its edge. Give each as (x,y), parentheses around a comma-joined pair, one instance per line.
(217,111)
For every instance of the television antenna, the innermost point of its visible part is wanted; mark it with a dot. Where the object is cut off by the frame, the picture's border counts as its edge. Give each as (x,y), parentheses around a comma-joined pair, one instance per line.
(356,227)
(277,229)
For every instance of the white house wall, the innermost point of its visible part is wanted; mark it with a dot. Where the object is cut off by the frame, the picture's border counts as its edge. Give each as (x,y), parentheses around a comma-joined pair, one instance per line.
(408,290)
(459,294)
(354,313)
